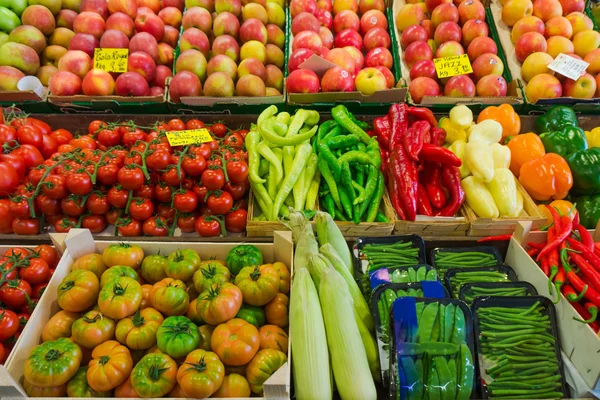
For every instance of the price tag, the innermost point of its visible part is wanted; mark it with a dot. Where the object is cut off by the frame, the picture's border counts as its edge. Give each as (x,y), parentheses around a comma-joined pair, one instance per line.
(568,66)
(111,60)
(452,66)
(191,136)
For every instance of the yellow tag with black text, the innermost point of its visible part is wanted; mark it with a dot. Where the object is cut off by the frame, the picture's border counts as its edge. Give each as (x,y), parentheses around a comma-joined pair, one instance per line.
(190,136)
(111,60)
(452,66)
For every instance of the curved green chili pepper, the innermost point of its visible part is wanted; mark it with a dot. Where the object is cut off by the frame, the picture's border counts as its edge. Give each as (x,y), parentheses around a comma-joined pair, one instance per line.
(252,141)
(268,129)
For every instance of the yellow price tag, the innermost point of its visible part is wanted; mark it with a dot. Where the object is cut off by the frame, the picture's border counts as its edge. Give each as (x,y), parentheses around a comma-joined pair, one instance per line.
(111,60)
(191,136)
(452,66)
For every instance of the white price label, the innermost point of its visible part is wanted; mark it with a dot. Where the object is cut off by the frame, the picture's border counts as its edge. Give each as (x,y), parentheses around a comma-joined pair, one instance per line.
(568,66)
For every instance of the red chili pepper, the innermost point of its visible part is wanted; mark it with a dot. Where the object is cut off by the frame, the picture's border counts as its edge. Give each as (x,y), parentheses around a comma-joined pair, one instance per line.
(538,246)
(438,136)
(593,310)
(589,255)
(585,314)
(438,154)
(532,252)
(586,237)
(393,192)
(555,219)
(423,203)
(451,181)
(383,131)
(432,174)
(591,275)
(422,113)
(406,174)
(559,280)
(498,238)
(569,292)
(566,228)
(413,140)
(545,267)
(579,285)
(399,124)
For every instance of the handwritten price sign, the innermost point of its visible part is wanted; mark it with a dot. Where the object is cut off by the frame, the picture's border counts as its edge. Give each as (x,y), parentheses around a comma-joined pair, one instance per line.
(111,60)
(191,136)
(452,66)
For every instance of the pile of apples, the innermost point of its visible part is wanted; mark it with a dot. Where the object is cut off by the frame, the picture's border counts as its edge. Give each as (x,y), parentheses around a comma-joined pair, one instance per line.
(443,28)
(59,49)
(360,48)
(246,55)
(540,32)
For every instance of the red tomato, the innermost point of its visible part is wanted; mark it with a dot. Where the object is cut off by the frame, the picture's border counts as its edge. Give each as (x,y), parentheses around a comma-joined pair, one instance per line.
(48,254)
(194,124)
(19,207)
(202,150)
(234,140)
(201,192)
(18,253)
(146,191)
(37,272)
(83,142)
(163,192)
(131,177)
(109,137)
(6,218)
(51,219)
(9,179)
(65,224)
(214,145)
(95,223)
(165,211)
(108,174)
(62,136)
(129,227)
(213,179)
(29,121)
(79,183)
(47,206)
(236,190)
(176,125)
(14,294)
(171,178)
(141,209)
(155,226)
(97,203)
(187,222)
(35,174)
(158,160)
(72,206)
(55,187)
(30,135)
(113,215)
(49,146)
(219,202)
(23,319)
(16,161)
(219,130)
(117,196)
(38,290)
(30,154)
(26,226)
(7,134)
(9,324)
(237,171)
(95,126)
(235,221)
(185,201)
(131,138)
(208,226)
(66,148)
(193,164)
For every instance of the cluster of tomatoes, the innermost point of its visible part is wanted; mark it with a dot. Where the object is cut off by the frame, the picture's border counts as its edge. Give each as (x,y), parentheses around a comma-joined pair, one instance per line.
(154,326)
(124,175)
(24,276)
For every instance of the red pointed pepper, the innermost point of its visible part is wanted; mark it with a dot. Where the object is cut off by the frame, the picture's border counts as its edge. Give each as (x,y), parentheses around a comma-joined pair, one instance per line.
(432,175)
(399,124)
(423,203)
(413,140)
(438,154)
(406,174)
(451,181)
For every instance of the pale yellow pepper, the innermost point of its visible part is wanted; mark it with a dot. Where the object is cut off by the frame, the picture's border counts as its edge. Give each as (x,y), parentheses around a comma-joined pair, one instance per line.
(478,156)
(501,155)
(458,148)
(503,189)
(519,209)
(453,131)
(479,198)
(489,131)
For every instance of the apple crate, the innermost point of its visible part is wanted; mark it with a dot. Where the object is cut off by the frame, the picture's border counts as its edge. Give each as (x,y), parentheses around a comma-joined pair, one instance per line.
(354,101)
(579,342)
(80,242)
(514,95)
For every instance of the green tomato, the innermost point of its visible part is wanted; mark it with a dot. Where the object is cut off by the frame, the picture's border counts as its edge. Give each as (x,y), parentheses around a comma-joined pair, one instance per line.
(153,268)
(177,336)
(245,255)
(252,314)
(53,363)
(78,386)
(182,264)
(117,271)
(210,273)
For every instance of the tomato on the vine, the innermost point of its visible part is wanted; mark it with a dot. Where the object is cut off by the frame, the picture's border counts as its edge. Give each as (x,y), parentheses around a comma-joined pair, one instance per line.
(187,222)
(38,290)
(163,192)
(201,192)
(95,126)
(234,140)
(203,150)
(9,179)
(208,225)
(176,125)
(6,218)
(62,136)
(213,178)
(36,272)
(158,160)
(146,191)
(29,121)
(30,135)
(65,224)
(15,294)
(97,203)
(237,171)
(236,190)
(49,146)
(48,254)
(194,124)
(108,174)
(131,177)
(185,201)
(19,207)
(79,183)
(141,208)
(235,221)
(55,187)
(170,176)
(9,323)
(26,226)
(155,226)
(219,202)
(7,134)
(16,161)
(166,211)
(193,164)
(83,142)
(219,130)
(30,154)
(95,223)
(72,206)
(129,227)
(113,215)
(47,206)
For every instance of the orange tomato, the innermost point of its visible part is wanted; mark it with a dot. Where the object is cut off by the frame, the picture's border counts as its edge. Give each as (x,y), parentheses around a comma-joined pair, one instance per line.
(235,342)
(273,337)
(234,386)
(276,311)
(110,366)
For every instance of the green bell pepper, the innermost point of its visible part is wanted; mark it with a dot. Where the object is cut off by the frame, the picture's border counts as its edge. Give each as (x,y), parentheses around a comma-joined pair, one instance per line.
(565,141)
(244,255)
(585,167)
(555,119)
(252,314)
(8,20)
(16,6)
(589,210)
(177,336)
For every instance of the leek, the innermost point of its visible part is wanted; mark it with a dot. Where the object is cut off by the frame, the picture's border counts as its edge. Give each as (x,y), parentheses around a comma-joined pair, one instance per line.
(361,308)
(348,356)
(312,378)
(328,232)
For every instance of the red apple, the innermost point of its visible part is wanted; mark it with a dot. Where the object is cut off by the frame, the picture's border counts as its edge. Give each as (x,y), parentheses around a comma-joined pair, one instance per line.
(370,80)
(298,6)
(144,41)
(226,45)
(84,42)
(231,6)
(302,81)
(253,29)
(298,57)
(156,91)
(487,64)
(151,24)
(491,86)
(343,59)
(128,7)
(252,66)
(373,19)
(143,64)
(346,20)
(179,4)
(433,4)
(121,22)
(226,24)
(98,83)
(459,86)
(377,37)
(171,36)
(379,56)
(421,87)
(197,17)
(471,9)
(446,12)
(65,83)
(582,88)
(162,73)
(304,22)
(325,18)
(153,5)
(413,33)
(308,40)
(447,32)
(77,62)
(337,79)
(473,28)
(326,37)
(348,37)
(389,76)
(65,18)
(424,68)
(114,39)
(366,5)
(194,38)
(90,23)
(100,7)
(171,16)
(357,55)
(417,51)
(131,84)
(481,45)
(184,84)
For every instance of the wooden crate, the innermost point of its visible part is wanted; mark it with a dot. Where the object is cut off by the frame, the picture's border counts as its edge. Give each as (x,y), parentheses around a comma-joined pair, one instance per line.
(257,228)
(80,242)
(502,226)
(434,226)
(578,341)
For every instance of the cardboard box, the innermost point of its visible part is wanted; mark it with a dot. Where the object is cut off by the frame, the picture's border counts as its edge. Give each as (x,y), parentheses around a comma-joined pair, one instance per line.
(578,341)
(444,103)
(108,104)
(80,242)
(355,101)
(504,35)
(28,101)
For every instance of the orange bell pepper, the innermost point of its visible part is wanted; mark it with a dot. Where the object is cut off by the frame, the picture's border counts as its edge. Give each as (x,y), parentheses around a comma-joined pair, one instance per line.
(563,207)
(524,148)
(546,177)
(506,116)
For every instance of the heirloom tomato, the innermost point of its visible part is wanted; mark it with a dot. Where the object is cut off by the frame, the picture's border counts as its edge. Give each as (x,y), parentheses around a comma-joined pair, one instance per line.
(201,374)
(273,337)
(38,391)
(117,271)
(259,285)
(244,255)
(78,386)
(59,325)
(126,254)
(177,336)
(182,264)
(170,297)
(153,268)
(276,310)
(210,273)
(120,297)
(265,364)
(52,363)
(92,329)
(236,342)
(219,303)
(78,291)
(154,376)
(233,386)
(138,332)
(111,364)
